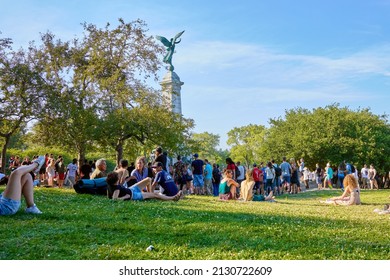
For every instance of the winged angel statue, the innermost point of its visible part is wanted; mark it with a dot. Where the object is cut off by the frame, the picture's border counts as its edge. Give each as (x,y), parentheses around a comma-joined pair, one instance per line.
(170,47)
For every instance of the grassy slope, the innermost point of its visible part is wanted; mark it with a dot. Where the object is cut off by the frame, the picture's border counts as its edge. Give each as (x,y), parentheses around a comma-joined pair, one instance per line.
(77,226)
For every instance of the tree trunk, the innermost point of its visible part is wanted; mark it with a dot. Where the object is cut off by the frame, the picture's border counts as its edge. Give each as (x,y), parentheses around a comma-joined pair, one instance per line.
(119,151)
(4,153)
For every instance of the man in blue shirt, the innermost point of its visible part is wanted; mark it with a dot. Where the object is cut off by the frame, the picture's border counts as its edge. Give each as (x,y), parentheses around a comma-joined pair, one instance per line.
(286,173)
(208,175)
(165,181)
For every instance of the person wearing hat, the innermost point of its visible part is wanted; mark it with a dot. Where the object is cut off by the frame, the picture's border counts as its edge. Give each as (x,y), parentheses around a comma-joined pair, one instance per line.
(197,172)
(160,157)
(164,179)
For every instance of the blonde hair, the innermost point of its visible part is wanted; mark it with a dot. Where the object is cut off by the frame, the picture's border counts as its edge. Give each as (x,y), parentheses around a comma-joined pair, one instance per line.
(142,159)
(350,182)
(249,175)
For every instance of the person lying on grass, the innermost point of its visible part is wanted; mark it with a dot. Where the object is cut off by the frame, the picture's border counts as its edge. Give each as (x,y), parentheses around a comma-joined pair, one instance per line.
(20,183)
(351,188)
(118,192)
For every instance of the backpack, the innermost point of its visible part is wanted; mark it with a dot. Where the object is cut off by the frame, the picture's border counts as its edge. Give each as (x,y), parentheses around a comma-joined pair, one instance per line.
(238,173)
(91,186)
(278,171)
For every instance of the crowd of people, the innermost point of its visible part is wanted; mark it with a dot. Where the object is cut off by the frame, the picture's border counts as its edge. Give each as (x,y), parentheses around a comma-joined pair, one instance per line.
(166,179)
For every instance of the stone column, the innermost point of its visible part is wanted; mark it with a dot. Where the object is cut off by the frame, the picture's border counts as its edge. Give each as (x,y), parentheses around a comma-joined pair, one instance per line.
(171,89)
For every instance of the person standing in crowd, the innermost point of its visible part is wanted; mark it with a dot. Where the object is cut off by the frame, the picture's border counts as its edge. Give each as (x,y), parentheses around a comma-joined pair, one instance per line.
(42,171)
(372,177)
(208,176)
(216,179)
(71,171)
(365,180)
(270,171)
(179,169)
(278,173)
(286,174)
(231,166)
(160,157)
(197,172)
(100,171)
(189,177)
(51,172)
(295,186)
(60,168)
(306,177)
(241,177)
(328,176)
(257,174)
(319,174)
(341,172)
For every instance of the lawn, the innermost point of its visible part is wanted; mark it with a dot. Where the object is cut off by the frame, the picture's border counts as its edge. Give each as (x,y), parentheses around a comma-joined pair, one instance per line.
(297,227)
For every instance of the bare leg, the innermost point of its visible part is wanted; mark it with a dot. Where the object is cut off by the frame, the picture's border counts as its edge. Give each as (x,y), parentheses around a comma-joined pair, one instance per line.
(152,195)
(270,196)
(15,186)
(145,183)
(28,189)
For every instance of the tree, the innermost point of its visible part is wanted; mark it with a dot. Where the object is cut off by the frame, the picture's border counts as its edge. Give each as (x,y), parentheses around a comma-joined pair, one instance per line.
(246,142)
(21,90)
(205,145)
(330,134)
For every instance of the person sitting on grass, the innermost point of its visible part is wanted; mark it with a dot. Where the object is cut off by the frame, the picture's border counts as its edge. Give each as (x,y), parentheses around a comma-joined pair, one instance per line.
(20,183)
(118,192)
(165,180)
(246,192)
(351,188)
(227,187)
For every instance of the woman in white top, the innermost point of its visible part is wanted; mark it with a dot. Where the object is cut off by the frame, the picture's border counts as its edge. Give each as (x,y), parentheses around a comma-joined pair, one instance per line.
(51,172)
(270,172)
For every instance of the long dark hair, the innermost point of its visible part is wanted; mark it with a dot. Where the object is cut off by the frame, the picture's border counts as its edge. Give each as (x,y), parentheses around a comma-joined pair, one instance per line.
(229,161)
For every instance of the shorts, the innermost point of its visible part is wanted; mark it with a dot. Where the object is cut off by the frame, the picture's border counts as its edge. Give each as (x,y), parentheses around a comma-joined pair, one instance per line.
(318,180)
(286,178)
(258,197)
(8,206)
(42,170)
(61,176)
(257,185)
(136,193)
(198,181)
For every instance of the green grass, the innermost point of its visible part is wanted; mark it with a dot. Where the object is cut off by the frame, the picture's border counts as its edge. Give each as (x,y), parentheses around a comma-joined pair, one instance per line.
(75,226)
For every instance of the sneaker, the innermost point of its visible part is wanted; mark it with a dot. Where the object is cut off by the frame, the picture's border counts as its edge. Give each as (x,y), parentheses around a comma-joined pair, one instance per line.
(41,161)
(33,210)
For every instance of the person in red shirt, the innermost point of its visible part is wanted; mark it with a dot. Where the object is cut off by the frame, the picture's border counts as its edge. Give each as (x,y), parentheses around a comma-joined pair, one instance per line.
(258,178)
(231,166)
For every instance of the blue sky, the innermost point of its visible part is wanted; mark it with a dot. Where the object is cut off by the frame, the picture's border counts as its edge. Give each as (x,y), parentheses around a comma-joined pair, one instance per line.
(243,62)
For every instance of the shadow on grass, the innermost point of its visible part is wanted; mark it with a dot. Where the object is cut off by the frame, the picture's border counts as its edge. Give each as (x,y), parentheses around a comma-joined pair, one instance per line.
(91,227)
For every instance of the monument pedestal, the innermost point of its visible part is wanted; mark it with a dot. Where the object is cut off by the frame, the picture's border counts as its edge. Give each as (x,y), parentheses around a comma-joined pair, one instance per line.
(171,89)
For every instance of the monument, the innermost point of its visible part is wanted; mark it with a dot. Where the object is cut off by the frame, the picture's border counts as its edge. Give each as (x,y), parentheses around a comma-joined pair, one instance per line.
(171,84)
